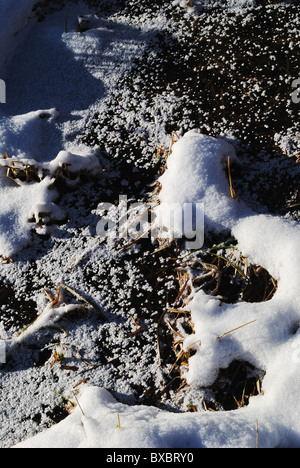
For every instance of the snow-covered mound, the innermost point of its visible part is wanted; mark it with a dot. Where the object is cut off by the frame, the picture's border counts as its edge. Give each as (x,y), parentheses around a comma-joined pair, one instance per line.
(196,174)
(24,140)
(95,425)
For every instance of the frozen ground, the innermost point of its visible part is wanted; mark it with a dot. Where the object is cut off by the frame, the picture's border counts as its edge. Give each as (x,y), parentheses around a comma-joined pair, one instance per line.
(191,351)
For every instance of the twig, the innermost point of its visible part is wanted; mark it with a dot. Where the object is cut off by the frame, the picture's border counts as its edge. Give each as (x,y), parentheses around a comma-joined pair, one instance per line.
(172,329)
(139,327)
(229,331)
(136,240)
(119,422)
(64,397)
(92,304)
(157,336)
(232,192)
(182,290)
(178,311)
(78,403)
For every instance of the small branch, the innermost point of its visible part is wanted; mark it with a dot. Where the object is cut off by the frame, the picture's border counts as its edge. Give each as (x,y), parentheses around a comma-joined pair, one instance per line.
(229,331)
(78,403)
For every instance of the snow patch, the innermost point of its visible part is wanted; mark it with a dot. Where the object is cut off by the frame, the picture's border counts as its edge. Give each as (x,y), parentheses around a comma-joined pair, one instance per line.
(196,173)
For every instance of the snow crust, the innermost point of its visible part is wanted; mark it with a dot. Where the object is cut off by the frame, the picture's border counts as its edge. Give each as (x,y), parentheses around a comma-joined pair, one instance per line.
(147,427)
(94,425)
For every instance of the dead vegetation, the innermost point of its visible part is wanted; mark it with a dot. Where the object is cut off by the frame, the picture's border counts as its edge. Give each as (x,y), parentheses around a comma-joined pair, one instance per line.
(19,171)
(231,279)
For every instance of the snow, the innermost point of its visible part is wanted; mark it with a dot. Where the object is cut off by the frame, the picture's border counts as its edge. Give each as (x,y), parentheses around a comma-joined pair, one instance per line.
(41,131)
(196,174)
(146,427)
(23,136)
(12,21)
(21,204)
(268,341)
(41,137)
(25,139)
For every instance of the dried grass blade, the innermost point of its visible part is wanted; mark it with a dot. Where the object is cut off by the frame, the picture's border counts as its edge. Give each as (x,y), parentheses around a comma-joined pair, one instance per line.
(172,329)
(236,328)
(92,304)
(178,311)
(232,192)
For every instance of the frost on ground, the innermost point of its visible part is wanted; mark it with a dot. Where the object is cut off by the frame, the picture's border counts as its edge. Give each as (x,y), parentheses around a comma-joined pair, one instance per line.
(119,102)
